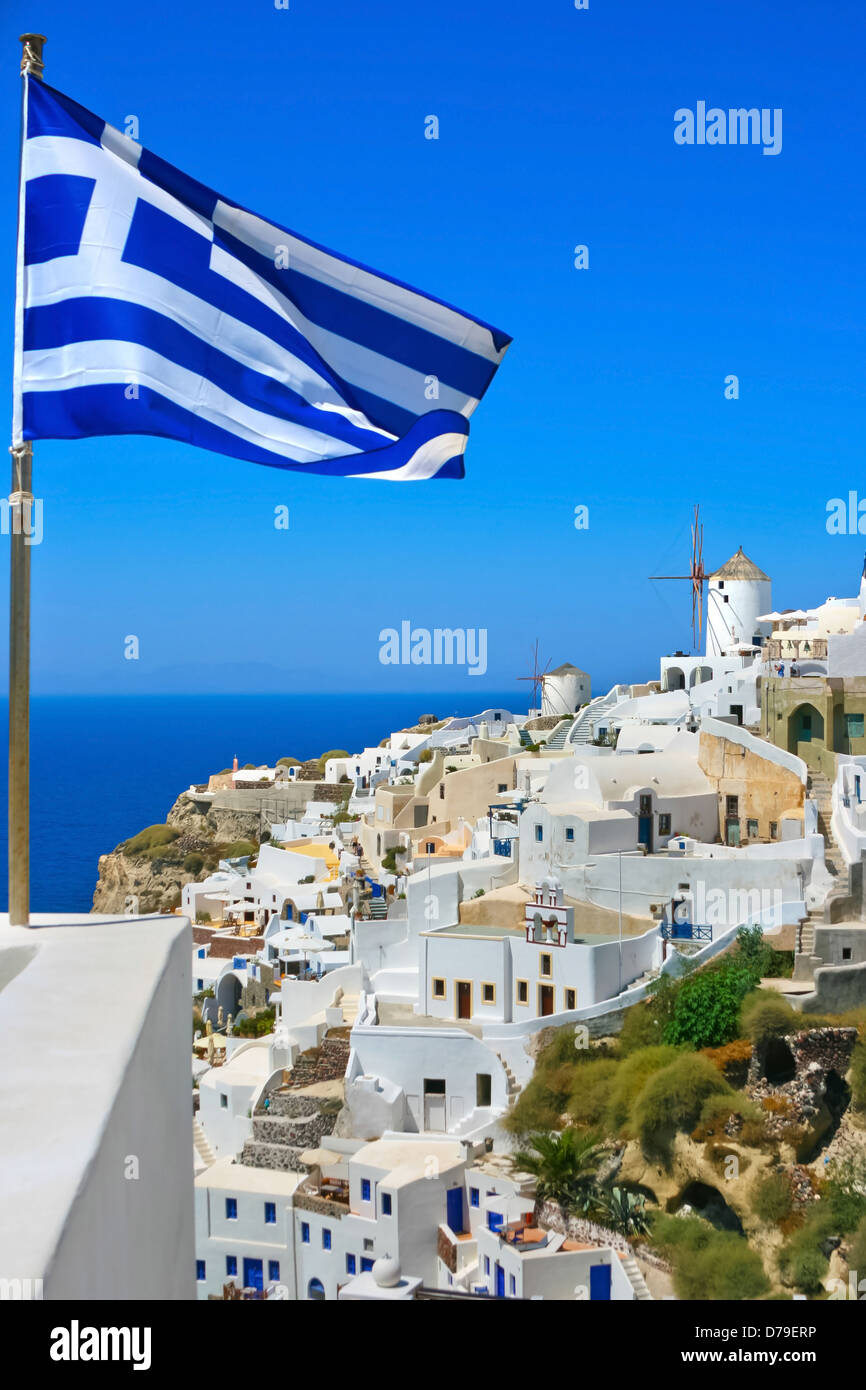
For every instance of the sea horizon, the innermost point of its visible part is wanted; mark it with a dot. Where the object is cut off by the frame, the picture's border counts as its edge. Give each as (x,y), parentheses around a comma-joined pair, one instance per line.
(105,766)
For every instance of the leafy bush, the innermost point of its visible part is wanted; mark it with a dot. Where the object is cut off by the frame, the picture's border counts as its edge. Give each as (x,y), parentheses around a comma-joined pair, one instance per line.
(766,960)
(425,756)
(258,1026)
(193,864)
(766,1015)
(706,1007)
(152,839)
(631,1077)
(288,762)
(708,1264)
(773,1199)
(673,1100)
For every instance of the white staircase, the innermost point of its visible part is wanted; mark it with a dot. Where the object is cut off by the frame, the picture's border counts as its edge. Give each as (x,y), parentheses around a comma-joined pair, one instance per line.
(202,1147)
(559,735)
(636,1279)
(583,728)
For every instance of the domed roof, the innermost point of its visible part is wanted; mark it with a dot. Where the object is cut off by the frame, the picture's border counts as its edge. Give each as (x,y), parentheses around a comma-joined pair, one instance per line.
(566,669)
(740,567)
(386,1273)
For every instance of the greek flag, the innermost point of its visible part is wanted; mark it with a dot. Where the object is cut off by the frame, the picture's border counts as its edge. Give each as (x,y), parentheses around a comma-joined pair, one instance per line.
(148,304)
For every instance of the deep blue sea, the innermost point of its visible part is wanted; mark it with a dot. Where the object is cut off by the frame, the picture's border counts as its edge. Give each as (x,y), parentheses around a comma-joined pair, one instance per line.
(102,767)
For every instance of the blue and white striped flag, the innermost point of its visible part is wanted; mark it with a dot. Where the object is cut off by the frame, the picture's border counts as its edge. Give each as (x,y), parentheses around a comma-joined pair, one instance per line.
(147,304)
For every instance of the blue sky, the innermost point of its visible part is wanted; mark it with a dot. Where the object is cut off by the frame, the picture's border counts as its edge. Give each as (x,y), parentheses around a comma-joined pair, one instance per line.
(556,128)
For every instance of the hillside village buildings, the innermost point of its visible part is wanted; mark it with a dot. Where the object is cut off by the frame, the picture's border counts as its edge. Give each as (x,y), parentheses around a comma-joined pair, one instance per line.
(487,878)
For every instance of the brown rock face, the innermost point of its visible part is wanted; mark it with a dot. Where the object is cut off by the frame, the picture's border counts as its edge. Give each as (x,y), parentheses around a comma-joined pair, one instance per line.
(156,882)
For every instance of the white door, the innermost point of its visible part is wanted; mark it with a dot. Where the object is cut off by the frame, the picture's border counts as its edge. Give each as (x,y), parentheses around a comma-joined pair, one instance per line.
(434,1113)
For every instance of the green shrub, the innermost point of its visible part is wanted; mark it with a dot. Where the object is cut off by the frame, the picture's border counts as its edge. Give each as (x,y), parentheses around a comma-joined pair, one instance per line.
(858,1076)
(708,1264)
(718,1109)
(706,1006)
(425,756)
(590,1093)
(673,1099)
(288,762)
(644,1024)
(632,1075)
(193,864)
(536,1108)
(238,849)
(857,1250)
(803,1264)
(152,838)
(256,1027)
(766,960)
(331,753)
(773,1199)
(766,1015)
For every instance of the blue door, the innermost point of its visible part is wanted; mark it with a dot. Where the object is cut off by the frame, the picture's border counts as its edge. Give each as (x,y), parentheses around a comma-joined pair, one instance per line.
(253,1274)
(500,1282)
(645,831)
(599,1282)
(455,1209)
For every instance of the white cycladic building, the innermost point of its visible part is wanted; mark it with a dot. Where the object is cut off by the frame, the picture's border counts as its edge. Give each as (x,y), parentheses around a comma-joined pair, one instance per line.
(311,1233)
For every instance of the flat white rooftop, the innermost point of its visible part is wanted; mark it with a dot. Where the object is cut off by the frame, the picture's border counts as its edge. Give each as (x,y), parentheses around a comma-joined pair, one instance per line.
(95,1098)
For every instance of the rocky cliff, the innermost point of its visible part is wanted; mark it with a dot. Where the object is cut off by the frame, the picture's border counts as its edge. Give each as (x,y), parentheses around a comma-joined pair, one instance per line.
(155,875)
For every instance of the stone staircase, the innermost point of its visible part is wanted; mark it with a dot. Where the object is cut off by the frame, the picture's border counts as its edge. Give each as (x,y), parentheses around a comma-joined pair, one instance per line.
(805,959)
(327,1062)
(559,735)
(291,1124)
(200,1140)
(513,1088)
(636,1279)
(820,788)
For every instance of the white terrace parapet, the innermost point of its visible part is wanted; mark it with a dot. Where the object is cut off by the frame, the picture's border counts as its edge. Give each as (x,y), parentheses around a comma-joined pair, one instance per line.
(96,1158)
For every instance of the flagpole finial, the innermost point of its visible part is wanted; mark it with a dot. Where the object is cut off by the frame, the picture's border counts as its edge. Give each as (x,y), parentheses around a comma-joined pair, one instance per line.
(31,55)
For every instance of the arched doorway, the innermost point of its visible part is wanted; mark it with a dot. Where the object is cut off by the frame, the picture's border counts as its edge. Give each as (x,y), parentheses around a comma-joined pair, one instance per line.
(700,674)
(316,1290)
(674,678)
(805,725)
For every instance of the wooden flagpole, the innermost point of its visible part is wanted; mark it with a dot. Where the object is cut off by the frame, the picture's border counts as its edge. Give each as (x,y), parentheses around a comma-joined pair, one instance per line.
(21,521)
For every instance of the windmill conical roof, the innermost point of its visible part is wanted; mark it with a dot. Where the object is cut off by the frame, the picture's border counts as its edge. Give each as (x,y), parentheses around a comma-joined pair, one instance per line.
(567,670)
(740,567)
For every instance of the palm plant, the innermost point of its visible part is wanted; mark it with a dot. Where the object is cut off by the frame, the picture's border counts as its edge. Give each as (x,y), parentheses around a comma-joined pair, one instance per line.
(564,1166)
